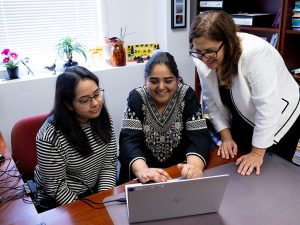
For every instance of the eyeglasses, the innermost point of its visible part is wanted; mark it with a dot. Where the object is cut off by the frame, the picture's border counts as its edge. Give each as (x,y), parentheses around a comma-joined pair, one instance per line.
(208,55)
(87,100)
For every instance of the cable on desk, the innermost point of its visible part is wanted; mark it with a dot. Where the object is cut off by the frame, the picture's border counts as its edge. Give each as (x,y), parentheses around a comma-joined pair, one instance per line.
(7,189)
(11,197)
(10,178)
(118,200)
(7,171)
(10,190)
(4,171)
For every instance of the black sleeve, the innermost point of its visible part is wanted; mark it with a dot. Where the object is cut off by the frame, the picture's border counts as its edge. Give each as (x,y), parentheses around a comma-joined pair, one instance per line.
(197,134)
(131,141)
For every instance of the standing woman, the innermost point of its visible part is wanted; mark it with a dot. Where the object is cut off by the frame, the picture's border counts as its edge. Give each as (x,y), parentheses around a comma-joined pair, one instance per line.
(162,126)
(251,98)
(76,146)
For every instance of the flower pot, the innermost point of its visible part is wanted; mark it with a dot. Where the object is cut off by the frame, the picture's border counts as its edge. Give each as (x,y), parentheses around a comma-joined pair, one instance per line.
(70,63)
(13,73)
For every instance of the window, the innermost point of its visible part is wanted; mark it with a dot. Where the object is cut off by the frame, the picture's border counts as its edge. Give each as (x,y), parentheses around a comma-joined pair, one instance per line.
(32,28)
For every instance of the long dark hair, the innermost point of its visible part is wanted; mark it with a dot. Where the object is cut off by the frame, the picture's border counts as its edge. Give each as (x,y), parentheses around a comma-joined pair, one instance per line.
(65,118)
(219,26)
(166,59)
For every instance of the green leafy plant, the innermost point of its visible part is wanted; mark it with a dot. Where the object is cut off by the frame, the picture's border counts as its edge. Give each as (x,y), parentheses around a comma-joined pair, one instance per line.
(67,46)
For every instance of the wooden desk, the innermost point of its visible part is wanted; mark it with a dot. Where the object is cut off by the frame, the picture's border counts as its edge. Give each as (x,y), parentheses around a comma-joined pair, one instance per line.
(77,212)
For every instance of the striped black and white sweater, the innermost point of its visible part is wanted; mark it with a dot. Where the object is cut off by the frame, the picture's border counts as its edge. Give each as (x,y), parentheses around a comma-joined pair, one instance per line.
(62,173)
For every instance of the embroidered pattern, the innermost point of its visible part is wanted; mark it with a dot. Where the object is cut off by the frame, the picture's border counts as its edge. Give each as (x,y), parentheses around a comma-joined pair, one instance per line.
(196,122)
(163,132)
(130,120)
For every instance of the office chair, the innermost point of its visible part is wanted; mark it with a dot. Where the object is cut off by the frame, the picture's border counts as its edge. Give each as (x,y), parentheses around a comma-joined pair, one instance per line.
(23,144)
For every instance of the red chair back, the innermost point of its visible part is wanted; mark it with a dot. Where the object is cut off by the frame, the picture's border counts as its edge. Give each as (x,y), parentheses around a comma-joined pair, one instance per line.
(23,143)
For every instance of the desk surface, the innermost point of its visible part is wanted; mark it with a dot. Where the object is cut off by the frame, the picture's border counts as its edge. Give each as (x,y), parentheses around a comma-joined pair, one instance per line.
(273,197)
(80,212)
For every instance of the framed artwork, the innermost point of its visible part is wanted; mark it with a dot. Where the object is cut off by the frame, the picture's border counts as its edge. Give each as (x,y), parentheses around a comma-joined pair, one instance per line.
(178,13)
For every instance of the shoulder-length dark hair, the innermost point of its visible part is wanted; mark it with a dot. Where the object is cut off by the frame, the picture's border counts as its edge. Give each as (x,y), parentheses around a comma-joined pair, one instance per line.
(65,118)
(166,59)
(219,26)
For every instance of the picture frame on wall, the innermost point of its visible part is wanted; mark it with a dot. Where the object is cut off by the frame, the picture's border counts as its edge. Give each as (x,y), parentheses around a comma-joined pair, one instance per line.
(178,13)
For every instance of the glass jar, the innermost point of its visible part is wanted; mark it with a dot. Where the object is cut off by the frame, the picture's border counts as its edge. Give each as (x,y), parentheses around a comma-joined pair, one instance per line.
(118,54)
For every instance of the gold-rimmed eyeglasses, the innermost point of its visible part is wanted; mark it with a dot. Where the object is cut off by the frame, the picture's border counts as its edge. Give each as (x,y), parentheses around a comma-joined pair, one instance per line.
(208,54)
(86,101)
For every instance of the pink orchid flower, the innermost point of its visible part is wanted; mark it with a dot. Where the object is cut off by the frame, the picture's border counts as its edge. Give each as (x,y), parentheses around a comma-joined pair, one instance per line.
(5,51)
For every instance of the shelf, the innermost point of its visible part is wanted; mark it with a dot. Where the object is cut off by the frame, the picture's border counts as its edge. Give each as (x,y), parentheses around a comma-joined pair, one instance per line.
(292,31)
(260,29)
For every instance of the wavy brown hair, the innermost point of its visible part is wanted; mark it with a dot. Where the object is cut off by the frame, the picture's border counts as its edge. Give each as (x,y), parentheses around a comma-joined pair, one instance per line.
(219,26)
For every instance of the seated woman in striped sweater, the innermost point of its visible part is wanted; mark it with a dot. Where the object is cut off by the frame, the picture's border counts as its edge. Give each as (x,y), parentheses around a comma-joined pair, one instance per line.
(76,146)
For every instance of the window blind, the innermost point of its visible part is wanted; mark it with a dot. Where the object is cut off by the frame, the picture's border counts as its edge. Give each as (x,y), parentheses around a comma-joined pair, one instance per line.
(32,28)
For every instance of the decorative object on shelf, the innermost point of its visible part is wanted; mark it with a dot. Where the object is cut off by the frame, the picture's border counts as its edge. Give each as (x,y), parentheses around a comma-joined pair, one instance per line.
(52,67)
(65,49)
(97,54)
(11,62)
(116,48)
(140,52)
(25,62)
(178,13)
(274,40)
(118,54)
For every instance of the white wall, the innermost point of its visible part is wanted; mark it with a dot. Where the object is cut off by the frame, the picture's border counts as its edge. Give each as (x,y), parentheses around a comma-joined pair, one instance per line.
(175,41)
(151,22)
(135,15)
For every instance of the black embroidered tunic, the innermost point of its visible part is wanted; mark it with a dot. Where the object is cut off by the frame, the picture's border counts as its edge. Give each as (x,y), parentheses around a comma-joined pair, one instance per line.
(162,140)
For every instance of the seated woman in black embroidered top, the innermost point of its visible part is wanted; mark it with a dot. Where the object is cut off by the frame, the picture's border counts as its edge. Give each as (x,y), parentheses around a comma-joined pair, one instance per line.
(76,146)
(162,126)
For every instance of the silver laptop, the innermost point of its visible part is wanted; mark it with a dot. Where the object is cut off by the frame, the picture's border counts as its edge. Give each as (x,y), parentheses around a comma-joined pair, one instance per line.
(175,198)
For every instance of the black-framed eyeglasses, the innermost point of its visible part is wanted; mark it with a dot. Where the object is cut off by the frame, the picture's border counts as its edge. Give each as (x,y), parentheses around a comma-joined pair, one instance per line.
(87,100)
(208,55)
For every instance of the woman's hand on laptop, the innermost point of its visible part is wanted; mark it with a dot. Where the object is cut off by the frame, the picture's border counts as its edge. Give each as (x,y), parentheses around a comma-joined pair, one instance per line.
(152,174)
(145,174)
(189,170)
(193,168)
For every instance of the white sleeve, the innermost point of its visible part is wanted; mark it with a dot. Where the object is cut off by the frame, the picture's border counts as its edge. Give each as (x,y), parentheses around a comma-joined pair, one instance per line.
(218,115)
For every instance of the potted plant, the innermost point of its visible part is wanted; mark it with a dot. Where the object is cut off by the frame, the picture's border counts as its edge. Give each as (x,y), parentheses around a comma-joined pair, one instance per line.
(11,62)
(65,49)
